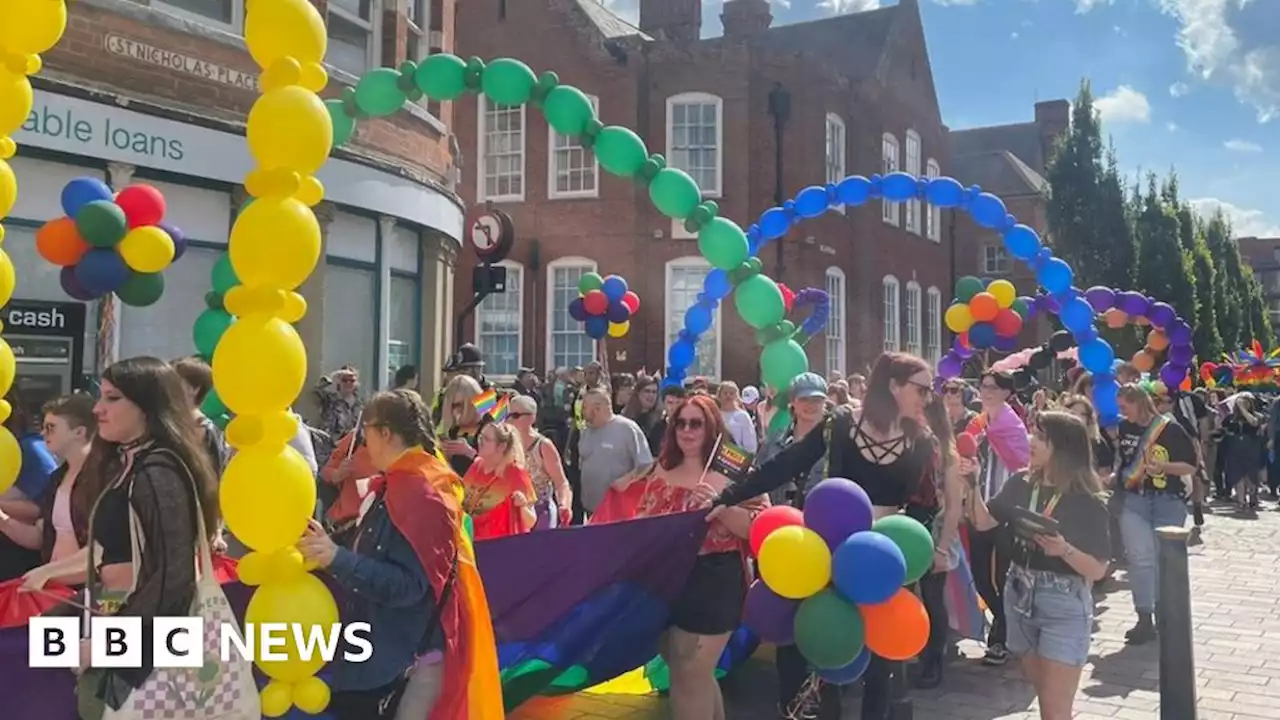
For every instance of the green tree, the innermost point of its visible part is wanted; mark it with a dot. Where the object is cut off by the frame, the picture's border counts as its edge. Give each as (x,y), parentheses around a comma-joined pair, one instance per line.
(1256,313)
(1207,339)
(1228,295)
(1165,269)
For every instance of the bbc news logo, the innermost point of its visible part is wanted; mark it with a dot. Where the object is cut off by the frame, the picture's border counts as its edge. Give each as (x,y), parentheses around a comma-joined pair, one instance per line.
(179,642)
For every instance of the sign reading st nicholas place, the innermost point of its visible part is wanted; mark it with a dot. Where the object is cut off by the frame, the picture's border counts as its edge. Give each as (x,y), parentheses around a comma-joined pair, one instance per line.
(168,59)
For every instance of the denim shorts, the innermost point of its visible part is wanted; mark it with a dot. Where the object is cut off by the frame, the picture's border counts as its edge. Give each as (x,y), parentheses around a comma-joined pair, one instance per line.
(1048,614)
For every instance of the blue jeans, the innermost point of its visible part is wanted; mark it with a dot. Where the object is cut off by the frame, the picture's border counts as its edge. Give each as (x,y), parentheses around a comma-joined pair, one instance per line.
(1049,614)
(1142,515)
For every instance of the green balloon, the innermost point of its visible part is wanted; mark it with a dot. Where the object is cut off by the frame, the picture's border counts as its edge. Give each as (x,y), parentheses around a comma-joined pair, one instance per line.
(568,110)
(829,631)
(442,77)
(781,420)
(674,193)
(141,289)
(913,539)
(224,276)
(221,420)
(508,81)
(1020,306)
(723,243)
(213,405)
(344,126)
(781,361)
(620,151)
(208,330)
(759,302)
(101,223)
(588,282)
(967,287)
(378,93)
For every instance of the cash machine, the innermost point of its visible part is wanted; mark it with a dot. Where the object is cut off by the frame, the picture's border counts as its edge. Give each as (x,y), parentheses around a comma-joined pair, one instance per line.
(48,342)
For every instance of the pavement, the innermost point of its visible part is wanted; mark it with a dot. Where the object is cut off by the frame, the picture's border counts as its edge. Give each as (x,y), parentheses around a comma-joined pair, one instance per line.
(1235,577)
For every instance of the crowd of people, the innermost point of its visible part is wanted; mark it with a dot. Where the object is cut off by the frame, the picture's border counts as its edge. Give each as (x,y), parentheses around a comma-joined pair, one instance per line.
(1039,509)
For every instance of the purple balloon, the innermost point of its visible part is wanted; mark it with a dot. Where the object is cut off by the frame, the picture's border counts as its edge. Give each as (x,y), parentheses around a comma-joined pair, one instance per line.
(1033,307)
(618,313)
(1100,297)
(770,615)
(1132,303)
(577,310)
(1161,314)
(950,366)
(1172,375)
(71,286)
(1181,355)
(1050,304)
(837,508)
(960,350)
(179,239)
(1180,333)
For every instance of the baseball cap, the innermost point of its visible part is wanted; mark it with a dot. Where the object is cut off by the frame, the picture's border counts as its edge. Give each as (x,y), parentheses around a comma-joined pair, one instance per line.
(750,395)
(808,385)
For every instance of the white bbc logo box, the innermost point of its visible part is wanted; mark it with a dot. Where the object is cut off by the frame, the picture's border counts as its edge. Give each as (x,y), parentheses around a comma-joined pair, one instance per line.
(115,642)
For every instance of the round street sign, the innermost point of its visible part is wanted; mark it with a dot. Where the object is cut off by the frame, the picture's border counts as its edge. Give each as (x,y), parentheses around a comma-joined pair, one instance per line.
(491,233)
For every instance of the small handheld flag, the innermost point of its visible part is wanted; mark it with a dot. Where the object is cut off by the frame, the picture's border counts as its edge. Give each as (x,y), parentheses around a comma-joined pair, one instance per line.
(485,401)
(501,409)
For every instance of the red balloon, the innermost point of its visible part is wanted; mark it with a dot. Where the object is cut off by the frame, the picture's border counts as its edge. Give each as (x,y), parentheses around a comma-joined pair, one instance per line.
(964,339)
(788,297)
(966,445)
(1008,323)
(632,301)
(596,302)
(142,205)
(770,520)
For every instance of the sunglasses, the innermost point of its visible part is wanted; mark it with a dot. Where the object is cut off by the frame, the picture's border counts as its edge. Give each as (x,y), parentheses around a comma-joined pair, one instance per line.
(518,415)
(689,424)
(953,391)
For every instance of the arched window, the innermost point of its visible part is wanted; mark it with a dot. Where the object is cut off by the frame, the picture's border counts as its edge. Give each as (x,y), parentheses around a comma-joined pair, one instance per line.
(933,325)
(695,138)
(892,314)
(932,214)
(912,345)
(500,326)
(890,212)
(567,344)
(913,167)
(835,330)
(684,280)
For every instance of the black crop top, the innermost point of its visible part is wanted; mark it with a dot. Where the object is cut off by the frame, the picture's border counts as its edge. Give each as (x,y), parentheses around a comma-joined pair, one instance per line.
(888,482)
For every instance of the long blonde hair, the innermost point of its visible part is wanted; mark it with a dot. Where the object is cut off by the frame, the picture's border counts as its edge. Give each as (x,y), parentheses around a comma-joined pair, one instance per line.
(1091,423)
(1136,394)
(508,439)
(461,389)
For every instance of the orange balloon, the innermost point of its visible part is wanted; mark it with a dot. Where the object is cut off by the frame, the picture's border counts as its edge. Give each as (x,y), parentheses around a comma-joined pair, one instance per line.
(984,307)
(1143,361)
(898,628)
(1116,318)
(1157,340)
(60,243)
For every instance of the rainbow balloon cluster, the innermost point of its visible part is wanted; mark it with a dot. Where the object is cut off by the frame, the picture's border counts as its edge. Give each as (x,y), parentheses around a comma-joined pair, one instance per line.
(267,493)
(27,28)
(111,243)
(832,581)
(986,314)
(604,305)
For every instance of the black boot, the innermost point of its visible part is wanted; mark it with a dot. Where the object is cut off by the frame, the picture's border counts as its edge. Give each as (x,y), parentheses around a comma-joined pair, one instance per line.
(929,673)
(1142,633)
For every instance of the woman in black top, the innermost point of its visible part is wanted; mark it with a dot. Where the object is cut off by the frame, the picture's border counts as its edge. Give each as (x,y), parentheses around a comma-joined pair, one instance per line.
(884,446)
(644,407)
(1048,595)
(1246,427)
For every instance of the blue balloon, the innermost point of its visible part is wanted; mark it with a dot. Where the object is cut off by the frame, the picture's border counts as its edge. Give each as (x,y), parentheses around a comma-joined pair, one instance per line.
(898,186)
(1055,275)
(596,326)
(944,192)
(1076,315)
(1085,335)
(717,285)
(614,288)
(988,210)
(698,318)
(618,313)
(101,270)
(577,310)
(680,355)
(1021,242)
(851,672)
(811,202)
(1096,355)
(82,191)
(868,568)
(774,223)
(853,191)
(982,335)
(1005,344)
(753,240)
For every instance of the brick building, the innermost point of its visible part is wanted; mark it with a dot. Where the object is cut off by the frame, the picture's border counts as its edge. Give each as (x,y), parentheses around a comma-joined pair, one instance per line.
(861,99)
(157,92)
(1263,255)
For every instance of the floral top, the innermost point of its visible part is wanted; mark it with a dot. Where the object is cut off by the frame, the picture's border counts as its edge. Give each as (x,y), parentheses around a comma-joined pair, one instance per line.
(659,498)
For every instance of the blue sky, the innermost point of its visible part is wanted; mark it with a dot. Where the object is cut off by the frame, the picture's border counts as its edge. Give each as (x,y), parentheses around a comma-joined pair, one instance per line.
(1189,84)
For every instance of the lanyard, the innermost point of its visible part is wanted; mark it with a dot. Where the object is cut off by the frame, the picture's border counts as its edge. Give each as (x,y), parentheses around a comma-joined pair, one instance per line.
(1049,506)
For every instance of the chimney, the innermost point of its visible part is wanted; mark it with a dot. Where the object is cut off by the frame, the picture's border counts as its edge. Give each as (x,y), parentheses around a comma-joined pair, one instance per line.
(1053,117)
(678,20)
(744,17)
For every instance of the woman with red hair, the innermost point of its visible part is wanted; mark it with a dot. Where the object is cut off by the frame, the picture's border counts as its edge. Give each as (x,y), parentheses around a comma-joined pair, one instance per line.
(710,607)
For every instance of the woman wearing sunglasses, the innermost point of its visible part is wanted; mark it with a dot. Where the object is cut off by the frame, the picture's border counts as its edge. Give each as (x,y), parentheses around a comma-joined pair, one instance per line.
(542,459)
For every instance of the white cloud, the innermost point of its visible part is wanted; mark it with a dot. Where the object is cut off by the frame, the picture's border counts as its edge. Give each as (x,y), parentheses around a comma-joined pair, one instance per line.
(1210,35)
(1245,222)
(1084,6)
(1013,35)
(840,7)
(1179,89)
(1124,105)
(1242,146)
(1171,127)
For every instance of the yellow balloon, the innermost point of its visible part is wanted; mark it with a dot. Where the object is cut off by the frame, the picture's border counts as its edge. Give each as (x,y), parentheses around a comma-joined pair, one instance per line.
(267,497)
(301,599)
(8,188)
(295,306)
(617,330)
(958,318)
(311,695)
(276,243)
(795,562)
(10,459)
(8,367)
(15,101)
(289,127)
(254,568)
(260,365)
(277,698)
(1004,292)
(284,28)
(8,279)
(31,27)
(147,249)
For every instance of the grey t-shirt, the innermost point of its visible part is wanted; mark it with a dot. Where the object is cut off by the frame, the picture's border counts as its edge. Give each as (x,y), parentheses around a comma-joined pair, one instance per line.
(606,454)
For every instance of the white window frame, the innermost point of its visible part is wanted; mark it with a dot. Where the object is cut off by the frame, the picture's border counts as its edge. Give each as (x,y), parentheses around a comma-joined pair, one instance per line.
(912,300)
(569,261)
(236,26)
(889,162)
(912,165)
(553,157)
(933,213)
(373,25)
(419,27)
(699,98)
(891,303)
(482,115)
(996,269)
(933,325)
(836,332)
(674,325)
(835,152)
(512,267)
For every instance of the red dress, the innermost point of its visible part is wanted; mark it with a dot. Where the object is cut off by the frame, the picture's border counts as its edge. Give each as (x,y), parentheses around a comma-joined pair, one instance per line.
(503,518)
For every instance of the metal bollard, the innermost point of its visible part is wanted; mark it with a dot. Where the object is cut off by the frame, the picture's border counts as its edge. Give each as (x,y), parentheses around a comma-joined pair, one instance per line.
(900,707)
(1173,617)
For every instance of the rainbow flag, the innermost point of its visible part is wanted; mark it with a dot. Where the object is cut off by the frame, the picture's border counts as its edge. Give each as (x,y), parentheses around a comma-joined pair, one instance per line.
(486,401)
(501,408)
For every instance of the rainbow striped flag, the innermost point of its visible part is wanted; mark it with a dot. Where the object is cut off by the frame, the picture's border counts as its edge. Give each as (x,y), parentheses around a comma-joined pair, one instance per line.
(501,408)
(486,401)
